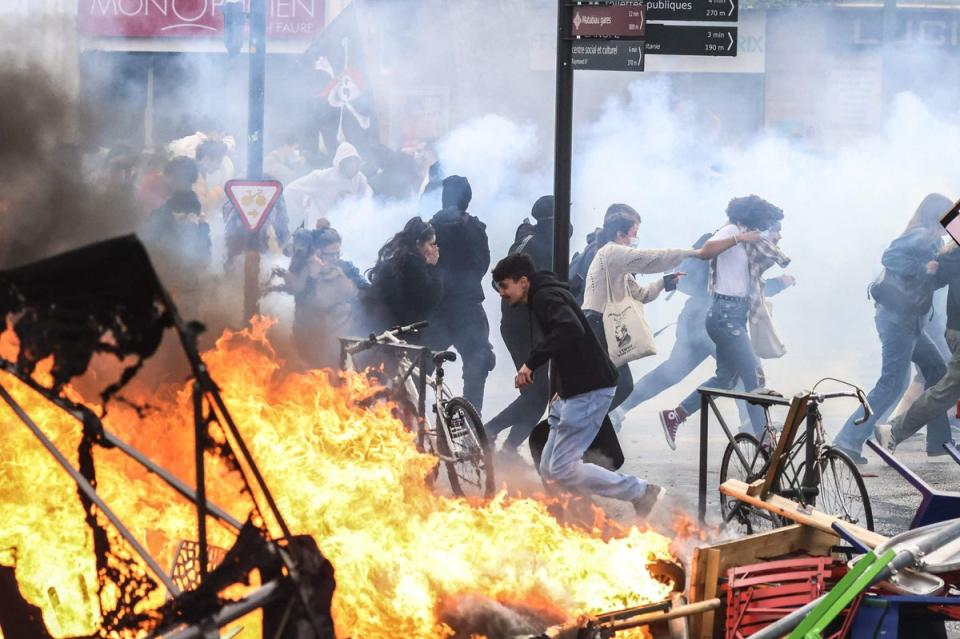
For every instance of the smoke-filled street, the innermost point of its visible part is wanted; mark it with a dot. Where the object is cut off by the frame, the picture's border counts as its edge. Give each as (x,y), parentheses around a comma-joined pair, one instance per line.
(479,318)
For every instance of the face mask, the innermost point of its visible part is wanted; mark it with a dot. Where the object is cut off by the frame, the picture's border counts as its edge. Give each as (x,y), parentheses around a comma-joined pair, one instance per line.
(634,242)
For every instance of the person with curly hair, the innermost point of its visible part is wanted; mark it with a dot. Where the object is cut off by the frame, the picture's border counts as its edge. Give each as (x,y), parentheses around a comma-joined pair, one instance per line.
(734,284)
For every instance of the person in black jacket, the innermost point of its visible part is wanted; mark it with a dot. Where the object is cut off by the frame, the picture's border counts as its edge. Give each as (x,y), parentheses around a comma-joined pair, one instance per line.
(405,286)
(523,413)
(459,320)
(585,383)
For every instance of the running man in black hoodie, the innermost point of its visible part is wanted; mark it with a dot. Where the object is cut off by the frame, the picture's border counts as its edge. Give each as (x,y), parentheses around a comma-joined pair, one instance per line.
(459,320)
(585,383)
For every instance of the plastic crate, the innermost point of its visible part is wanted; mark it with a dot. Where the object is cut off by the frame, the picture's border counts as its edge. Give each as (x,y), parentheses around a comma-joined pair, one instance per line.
(759,594)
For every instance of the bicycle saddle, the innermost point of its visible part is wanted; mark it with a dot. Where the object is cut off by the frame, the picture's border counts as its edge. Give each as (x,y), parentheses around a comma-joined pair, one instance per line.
(444,356)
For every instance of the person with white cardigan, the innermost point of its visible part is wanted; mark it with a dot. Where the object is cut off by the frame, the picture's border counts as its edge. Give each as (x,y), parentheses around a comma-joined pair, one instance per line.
(618,256)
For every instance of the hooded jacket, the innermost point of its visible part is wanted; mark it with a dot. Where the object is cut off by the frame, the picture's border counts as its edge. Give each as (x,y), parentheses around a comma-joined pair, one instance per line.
(581,363)
(464,248)
(313,195)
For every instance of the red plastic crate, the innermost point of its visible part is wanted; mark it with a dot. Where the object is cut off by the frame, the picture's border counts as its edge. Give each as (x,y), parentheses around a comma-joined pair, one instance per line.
(760,594)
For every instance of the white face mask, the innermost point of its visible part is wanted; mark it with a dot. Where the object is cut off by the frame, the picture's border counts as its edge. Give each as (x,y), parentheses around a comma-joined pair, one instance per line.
(634,242)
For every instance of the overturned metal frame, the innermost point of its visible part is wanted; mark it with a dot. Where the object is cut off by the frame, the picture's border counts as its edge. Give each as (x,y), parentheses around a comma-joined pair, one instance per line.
(204,389)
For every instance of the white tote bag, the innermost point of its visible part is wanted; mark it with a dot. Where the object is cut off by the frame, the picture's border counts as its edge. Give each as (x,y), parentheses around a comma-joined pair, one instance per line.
(628,335)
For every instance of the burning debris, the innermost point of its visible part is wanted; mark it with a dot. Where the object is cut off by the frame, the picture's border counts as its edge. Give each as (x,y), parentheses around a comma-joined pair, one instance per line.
(350,484)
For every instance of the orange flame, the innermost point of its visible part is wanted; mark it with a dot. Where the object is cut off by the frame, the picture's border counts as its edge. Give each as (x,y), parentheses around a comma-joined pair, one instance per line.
(347,475)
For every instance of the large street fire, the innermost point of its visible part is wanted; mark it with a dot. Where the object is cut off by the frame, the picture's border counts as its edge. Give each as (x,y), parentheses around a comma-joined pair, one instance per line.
(407,560)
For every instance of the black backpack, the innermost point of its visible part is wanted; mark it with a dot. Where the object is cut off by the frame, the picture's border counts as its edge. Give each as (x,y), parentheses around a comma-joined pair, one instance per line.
(580,266)
(522,238)
(694,283)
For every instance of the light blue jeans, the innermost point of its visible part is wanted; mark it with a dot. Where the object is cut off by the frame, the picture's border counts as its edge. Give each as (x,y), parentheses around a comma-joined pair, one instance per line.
(726,324)
(574,422)
(902,341)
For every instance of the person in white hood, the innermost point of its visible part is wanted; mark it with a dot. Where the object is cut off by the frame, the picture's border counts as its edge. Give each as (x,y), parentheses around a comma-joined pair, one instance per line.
(312,196)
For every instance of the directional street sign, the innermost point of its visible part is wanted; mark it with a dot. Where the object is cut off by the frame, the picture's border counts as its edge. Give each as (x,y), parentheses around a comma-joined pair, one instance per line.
(693,10)
(253,199)
(608,55)
(690,40)
(609,21)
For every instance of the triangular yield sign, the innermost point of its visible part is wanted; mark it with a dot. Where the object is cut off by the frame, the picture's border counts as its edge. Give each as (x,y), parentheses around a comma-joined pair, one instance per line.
(253,199)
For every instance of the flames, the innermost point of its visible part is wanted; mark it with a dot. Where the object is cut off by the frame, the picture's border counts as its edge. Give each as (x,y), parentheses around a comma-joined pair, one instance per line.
(349,476)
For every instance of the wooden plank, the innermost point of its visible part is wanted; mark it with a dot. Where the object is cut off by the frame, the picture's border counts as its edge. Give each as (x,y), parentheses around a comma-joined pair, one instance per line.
(694,587)
(710,586)
(795,417)
(798,513)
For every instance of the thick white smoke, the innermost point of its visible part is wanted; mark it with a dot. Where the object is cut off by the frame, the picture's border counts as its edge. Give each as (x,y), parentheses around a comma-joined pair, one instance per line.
(641,141)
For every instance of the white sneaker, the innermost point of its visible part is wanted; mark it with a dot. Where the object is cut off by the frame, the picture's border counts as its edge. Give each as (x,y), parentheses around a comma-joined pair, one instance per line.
(883,433)
(644,504)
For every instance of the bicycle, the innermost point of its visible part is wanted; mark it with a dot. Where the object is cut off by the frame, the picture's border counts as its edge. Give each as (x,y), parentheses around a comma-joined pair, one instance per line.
(458,440)
(806,467)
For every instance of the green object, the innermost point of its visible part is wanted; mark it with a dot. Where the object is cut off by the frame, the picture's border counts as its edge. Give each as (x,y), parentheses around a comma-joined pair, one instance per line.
(855,582)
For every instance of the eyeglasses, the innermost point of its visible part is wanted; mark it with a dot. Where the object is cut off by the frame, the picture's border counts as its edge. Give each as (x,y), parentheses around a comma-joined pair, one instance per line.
(330,256)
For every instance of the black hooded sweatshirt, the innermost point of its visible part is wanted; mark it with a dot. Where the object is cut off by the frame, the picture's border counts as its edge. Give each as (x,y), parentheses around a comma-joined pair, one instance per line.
(464,248)
(581,363)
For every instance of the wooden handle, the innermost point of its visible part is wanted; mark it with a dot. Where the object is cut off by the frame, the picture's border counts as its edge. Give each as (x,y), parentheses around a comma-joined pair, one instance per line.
(680,611)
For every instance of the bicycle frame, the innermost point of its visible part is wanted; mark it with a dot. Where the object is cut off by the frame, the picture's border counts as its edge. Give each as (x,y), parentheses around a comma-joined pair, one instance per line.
(412,380)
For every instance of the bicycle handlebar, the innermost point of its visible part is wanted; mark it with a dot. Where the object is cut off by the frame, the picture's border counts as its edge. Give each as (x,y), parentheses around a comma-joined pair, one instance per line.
(390,336)
(409,328)
(858,395)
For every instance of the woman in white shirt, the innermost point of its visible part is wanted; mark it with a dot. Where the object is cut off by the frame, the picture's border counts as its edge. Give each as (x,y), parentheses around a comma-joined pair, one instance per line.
(733,289)
(617,257)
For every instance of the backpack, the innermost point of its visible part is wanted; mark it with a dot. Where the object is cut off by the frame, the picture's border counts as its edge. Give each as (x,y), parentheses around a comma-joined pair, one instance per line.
(523,237)
(580,265)
(901,294)
(694,283)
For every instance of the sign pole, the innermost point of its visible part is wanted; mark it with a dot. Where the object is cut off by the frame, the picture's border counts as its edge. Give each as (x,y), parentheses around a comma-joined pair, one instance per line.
(563,143)
(257,60)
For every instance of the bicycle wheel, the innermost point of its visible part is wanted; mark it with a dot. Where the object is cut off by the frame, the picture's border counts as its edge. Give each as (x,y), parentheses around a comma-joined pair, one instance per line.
(471,470)
(842,491)
(742,517)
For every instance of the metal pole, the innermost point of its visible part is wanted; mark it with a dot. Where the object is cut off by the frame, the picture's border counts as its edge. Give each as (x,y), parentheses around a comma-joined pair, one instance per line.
(563,143)
(230,612)
(702,480)
(810,486)
(200,439)
(258,63)
(887,55)
(90,492)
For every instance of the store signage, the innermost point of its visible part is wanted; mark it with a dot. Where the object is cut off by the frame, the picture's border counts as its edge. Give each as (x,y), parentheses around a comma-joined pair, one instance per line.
(192,18)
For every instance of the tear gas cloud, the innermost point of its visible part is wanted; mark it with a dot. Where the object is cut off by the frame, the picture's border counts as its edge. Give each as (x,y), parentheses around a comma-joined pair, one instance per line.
(631,144)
